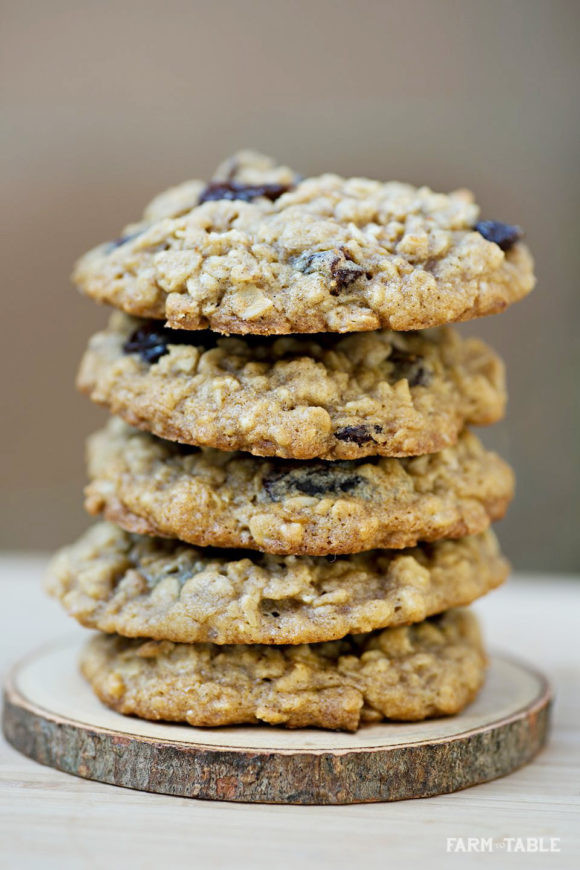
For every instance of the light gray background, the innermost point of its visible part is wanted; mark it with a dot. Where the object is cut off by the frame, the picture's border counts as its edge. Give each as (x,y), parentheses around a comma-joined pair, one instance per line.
(106,103)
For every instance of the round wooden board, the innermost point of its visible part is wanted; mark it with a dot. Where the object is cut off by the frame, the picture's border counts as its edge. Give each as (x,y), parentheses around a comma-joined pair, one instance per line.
(52,716)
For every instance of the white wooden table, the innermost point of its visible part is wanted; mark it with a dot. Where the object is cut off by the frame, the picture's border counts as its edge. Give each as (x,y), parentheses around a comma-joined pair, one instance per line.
(49,819)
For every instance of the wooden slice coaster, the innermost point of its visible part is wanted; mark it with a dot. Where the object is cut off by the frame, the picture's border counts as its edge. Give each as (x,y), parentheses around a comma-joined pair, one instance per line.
(52,716)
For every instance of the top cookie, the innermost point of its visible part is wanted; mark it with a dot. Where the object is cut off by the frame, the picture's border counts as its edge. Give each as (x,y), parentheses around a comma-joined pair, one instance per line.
(259,250)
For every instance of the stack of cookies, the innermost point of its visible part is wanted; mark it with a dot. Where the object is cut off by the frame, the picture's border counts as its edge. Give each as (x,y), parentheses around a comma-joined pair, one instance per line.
(295,512)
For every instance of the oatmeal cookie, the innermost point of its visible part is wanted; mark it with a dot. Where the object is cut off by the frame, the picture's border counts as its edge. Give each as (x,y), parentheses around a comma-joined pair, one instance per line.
(433,668)
(150,587)
(259,250)
(332,397)
(211,498)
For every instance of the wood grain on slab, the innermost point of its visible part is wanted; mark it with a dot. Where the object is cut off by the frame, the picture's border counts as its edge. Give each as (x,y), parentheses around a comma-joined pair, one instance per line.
(52,716)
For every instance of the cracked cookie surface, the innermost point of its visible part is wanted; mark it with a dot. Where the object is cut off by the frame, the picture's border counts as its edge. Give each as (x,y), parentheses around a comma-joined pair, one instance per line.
(333,397)
(260,250)
(211,498)
(165,590)
(433,668)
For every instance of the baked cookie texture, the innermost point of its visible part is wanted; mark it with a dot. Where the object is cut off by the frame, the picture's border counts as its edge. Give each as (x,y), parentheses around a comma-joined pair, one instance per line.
(333,397)
(147,587)
(260,250)
(288,389)
(211,498)
(434,668)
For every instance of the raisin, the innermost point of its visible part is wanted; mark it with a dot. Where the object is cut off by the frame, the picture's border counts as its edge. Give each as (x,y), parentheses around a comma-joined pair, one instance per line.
(504,235)
(355,434)
(336,264)
(316,479)
(122,240)
(410,366)
(151,340)
(344,271)
(246,192)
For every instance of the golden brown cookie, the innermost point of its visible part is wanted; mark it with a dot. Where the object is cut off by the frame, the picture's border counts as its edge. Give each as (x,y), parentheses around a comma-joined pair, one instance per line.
(258,250)
(333,397)
(211,498)
(151,587)
(433,668)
